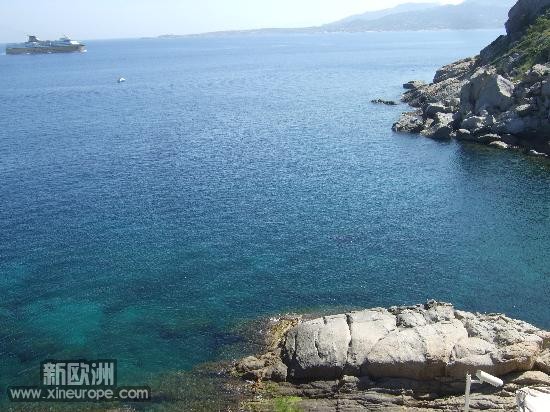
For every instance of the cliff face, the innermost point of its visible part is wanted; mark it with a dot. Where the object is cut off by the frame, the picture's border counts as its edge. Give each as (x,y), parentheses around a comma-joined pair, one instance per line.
(500,98)
(523,14)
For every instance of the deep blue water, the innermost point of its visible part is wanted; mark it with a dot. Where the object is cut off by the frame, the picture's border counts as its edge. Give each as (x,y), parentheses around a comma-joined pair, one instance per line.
(231,178)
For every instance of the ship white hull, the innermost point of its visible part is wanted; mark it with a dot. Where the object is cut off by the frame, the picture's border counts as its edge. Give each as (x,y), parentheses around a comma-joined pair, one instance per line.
(46,50)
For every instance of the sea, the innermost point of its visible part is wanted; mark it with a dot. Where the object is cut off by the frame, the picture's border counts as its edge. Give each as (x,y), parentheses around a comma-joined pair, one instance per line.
(238,178)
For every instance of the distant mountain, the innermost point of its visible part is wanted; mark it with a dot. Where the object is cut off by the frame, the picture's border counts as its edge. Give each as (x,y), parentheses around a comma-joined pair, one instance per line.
(471,14)
(373,15)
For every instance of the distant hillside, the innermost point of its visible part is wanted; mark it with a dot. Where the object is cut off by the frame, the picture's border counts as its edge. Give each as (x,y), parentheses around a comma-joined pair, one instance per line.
(472,14)
(374,15)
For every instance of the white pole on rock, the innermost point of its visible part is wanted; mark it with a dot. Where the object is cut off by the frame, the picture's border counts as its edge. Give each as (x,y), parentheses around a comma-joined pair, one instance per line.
(483,378)
(467,395)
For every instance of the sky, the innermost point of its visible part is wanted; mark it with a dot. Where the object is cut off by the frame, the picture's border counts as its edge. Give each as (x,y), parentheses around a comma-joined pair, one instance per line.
(109,19)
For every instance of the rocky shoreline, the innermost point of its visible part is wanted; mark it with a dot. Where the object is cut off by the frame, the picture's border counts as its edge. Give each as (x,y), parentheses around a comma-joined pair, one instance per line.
(401,358)
(500,98)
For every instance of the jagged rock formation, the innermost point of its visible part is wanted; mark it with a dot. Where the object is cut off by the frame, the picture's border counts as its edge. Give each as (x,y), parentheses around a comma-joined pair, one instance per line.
(413,356)
(500,98)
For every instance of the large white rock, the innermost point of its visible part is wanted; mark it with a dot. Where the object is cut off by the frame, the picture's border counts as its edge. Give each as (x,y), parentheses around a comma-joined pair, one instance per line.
(441,128)
(496,94)
(319,348)
(367,329)
(420,352)
(410,122)
(422,342)
(487,90)
(477,124)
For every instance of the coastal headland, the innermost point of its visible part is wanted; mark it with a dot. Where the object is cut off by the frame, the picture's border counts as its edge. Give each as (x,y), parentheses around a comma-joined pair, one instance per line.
(499,98)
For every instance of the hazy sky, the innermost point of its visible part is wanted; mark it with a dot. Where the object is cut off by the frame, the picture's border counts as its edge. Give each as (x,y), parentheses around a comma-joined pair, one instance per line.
(92,19)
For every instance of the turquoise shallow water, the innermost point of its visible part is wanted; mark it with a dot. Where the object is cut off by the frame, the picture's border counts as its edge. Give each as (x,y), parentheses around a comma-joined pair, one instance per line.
(231,178)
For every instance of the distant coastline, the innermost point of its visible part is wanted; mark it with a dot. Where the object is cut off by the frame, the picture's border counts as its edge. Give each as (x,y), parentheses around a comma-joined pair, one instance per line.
(291,32)
(469,15)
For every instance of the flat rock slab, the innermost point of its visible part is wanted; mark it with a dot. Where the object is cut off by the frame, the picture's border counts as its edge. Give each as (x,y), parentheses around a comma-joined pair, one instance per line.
(423,342)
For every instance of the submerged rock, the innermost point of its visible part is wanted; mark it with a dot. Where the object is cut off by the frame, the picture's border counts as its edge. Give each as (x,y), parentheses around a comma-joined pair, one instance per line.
(386,102)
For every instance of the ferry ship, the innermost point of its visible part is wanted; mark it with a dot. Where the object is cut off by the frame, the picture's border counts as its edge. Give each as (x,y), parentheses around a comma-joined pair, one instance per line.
(36,46)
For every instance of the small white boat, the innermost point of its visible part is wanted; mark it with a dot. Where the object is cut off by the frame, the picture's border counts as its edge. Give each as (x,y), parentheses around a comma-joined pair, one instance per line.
(121,80)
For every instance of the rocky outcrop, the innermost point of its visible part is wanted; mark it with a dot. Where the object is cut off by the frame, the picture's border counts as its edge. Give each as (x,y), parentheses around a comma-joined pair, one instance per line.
(422,342)
(492,99)
(410,122)
(446,86)
(414,84)
(414,356)
(486,91)
(440,127)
